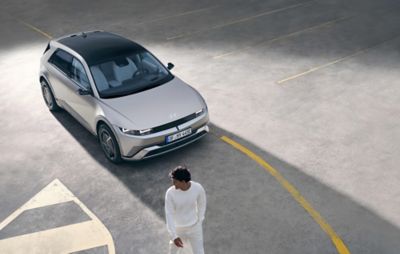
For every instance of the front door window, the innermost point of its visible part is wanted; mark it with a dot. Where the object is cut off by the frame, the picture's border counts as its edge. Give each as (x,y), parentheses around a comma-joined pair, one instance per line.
(79,74)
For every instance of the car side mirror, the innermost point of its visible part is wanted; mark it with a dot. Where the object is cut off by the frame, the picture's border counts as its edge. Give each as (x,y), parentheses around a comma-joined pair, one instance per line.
(170,66)
(84,92)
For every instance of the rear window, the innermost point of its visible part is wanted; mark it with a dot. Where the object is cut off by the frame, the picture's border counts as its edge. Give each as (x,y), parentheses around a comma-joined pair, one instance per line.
(62,60)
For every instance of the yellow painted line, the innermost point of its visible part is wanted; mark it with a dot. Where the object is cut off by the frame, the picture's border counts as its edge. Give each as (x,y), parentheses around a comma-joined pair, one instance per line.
(35,29)
(178,15)
(342,59)
(81,236)
(283,37)
(337,242)
(239,20)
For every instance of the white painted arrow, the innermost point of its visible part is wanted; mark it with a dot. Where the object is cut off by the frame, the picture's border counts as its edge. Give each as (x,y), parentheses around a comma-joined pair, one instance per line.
(66,239)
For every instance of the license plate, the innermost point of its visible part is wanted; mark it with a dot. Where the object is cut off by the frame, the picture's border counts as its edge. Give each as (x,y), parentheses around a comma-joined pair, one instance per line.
(178,135)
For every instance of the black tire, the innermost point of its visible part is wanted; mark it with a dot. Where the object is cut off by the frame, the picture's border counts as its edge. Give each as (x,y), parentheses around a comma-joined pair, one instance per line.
(109,144)
(49,97)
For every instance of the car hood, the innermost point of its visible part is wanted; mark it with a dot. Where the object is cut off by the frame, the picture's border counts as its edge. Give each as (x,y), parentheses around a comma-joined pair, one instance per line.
(157,106)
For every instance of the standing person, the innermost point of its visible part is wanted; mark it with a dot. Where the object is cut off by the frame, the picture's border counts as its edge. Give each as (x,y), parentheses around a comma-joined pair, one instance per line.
(185,207)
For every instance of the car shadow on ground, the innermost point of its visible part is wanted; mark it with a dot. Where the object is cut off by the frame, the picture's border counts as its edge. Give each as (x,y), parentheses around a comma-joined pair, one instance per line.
(248,211)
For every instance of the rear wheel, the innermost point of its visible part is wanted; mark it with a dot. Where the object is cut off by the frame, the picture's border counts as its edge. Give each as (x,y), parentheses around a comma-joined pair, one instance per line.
(109,144)
(49,97)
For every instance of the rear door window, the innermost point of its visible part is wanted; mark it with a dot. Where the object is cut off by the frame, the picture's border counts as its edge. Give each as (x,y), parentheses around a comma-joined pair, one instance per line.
(63,61)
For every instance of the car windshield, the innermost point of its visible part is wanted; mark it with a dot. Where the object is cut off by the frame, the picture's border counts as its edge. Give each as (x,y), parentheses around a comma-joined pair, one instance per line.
(128,74)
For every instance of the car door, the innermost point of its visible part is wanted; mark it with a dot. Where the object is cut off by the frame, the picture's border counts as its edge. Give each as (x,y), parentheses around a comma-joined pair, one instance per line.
(83,104)
(60,66)
(67,78)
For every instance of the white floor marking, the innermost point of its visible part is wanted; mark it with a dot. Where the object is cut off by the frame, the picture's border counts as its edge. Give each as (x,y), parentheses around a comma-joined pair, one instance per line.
(66,239)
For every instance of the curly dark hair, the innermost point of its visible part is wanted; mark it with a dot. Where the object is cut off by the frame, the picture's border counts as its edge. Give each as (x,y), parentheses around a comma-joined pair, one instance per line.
(180,173)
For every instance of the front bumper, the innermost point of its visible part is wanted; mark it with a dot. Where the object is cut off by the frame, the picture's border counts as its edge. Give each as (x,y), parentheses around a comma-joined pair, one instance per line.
(143,147)
(156,150)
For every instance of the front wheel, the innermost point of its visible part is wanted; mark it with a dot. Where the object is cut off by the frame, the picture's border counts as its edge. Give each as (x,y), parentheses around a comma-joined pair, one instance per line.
(109,144)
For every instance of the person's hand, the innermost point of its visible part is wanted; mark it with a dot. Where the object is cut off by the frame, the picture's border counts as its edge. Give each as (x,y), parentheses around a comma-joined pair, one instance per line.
(178,242)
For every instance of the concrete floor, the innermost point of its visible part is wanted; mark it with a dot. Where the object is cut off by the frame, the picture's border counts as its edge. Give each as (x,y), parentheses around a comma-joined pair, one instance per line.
(310,86)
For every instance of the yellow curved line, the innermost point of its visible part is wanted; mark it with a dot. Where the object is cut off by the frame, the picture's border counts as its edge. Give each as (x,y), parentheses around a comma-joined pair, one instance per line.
(48,36)
(337,242)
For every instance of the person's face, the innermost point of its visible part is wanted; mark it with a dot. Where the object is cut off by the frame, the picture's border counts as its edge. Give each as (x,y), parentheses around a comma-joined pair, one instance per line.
(179,184)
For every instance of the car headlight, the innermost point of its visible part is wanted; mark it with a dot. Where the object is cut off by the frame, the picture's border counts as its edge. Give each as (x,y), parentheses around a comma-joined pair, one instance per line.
(136,132)
(200,112)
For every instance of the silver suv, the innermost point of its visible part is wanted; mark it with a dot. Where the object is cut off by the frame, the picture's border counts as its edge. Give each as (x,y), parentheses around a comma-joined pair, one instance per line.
(122,94)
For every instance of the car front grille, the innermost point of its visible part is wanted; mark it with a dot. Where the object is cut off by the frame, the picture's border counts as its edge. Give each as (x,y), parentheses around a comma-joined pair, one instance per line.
(174,123)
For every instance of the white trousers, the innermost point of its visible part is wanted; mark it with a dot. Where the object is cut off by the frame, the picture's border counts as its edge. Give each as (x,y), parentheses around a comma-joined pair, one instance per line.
(192,238)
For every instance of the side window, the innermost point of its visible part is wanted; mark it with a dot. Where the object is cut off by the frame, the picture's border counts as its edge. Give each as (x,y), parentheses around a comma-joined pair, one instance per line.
(63,61)
(79,74)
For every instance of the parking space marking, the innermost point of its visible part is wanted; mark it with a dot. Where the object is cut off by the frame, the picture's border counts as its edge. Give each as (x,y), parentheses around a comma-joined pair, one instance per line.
(239,20)
(35,29)
(266,42)
(81,236)
(342,59)
(336,240)
(178,15)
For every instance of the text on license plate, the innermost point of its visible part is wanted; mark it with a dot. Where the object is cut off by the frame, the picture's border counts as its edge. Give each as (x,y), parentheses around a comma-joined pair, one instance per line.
(178,135)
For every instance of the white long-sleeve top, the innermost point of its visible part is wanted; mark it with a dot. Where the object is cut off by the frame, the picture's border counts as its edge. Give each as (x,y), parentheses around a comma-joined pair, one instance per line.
(184,208)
